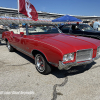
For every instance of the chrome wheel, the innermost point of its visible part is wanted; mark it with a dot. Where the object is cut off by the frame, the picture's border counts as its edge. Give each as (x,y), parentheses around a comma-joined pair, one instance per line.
(40,63)
(8,45)
(10,48)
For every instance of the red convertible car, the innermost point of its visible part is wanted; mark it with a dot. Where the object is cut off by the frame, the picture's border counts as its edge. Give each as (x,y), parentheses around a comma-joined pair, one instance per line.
(48,46)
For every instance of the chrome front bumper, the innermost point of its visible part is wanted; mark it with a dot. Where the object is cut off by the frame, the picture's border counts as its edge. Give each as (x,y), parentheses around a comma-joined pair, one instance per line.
(69,65)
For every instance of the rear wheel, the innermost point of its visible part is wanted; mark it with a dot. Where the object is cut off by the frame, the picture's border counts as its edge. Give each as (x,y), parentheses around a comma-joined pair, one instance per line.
(42,65)
(10,48)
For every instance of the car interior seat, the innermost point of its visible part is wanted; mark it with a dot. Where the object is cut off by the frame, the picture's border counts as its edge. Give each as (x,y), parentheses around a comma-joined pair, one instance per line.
(73,27)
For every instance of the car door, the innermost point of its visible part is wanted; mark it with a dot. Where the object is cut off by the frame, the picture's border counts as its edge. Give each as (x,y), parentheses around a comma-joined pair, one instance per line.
(75,30)
(66,29)
(89,31)
(26,43)
(92,34)
(15,38)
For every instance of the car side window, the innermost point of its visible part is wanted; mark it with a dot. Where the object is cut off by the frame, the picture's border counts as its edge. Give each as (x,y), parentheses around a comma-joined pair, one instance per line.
(66,28)
(75,27)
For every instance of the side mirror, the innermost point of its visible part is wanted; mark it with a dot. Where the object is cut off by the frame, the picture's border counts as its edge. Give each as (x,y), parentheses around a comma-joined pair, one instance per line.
(12,32)
(22,33)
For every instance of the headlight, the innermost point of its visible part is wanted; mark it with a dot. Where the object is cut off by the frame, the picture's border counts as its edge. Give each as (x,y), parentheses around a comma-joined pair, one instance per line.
(98,51)
(68,57)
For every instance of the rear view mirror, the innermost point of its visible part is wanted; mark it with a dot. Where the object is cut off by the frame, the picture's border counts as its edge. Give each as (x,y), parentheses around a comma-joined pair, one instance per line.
(21,33)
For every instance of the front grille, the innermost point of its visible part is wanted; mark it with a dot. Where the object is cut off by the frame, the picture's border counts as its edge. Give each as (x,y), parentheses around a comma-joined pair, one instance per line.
(83,55)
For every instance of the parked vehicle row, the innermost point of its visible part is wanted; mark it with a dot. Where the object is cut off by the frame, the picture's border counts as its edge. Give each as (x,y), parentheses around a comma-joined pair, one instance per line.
(80,30)
(49,47)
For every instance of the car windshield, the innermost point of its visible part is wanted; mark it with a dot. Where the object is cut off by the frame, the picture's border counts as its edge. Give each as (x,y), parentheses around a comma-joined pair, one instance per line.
(42,29)
(86,28)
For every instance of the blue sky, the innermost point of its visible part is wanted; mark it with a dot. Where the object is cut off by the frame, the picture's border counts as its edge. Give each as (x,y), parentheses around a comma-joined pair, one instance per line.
(72,7)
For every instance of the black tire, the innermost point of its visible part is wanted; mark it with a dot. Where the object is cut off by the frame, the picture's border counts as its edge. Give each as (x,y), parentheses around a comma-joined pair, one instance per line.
(10,48)
(42,65)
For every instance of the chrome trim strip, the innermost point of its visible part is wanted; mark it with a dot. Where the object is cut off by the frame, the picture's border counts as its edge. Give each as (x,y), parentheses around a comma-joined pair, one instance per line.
(97,49)
(69,65)
(54,64)
(22,50)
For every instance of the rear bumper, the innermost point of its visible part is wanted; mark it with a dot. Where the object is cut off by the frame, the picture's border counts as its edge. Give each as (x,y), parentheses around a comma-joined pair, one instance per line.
(69,65)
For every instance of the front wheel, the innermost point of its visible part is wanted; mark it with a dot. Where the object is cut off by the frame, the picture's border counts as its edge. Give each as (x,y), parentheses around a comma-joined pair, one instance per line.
(10,48)
(42,65)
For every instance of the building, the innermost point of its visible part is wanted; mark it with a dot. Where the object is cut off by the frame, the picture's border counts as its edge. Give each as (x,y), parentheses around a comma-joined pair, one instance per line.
(9,15)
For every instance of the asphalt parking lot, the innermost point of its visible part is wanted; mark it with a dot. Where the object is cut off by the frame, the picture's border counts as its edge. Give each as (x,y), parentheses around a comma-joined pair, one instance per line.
(19,76)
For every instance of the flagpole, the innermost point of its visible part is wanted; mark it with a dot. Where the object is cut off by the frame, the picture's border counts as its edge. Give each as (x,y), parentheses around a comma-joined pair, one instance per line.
(18,11)
(18,15)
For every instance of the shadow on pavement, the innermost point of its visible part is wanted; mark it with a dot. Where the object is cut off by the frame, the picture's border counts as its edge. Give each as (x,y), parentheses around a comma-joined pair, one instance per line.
(25,56)
(73,71)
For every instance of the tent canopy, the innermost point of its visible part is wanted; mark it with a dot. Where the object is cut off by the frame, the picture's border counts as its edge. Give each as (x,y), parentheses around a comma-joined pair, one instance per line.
(66,18)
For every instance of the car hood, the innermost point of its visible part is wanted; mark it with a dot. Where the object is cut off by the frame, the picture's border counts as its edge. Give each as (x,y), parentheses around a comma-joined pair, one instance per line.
(68,43)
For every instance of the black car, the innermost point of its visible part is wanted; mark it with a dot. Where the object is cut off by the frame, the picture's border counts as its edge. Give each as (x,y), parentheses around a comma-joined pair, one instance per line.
(81,30)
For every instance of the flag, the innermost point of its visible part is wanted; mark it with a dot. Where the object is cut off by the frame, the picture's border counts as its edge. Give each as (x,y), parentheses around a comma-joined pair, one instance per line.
(26,8)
